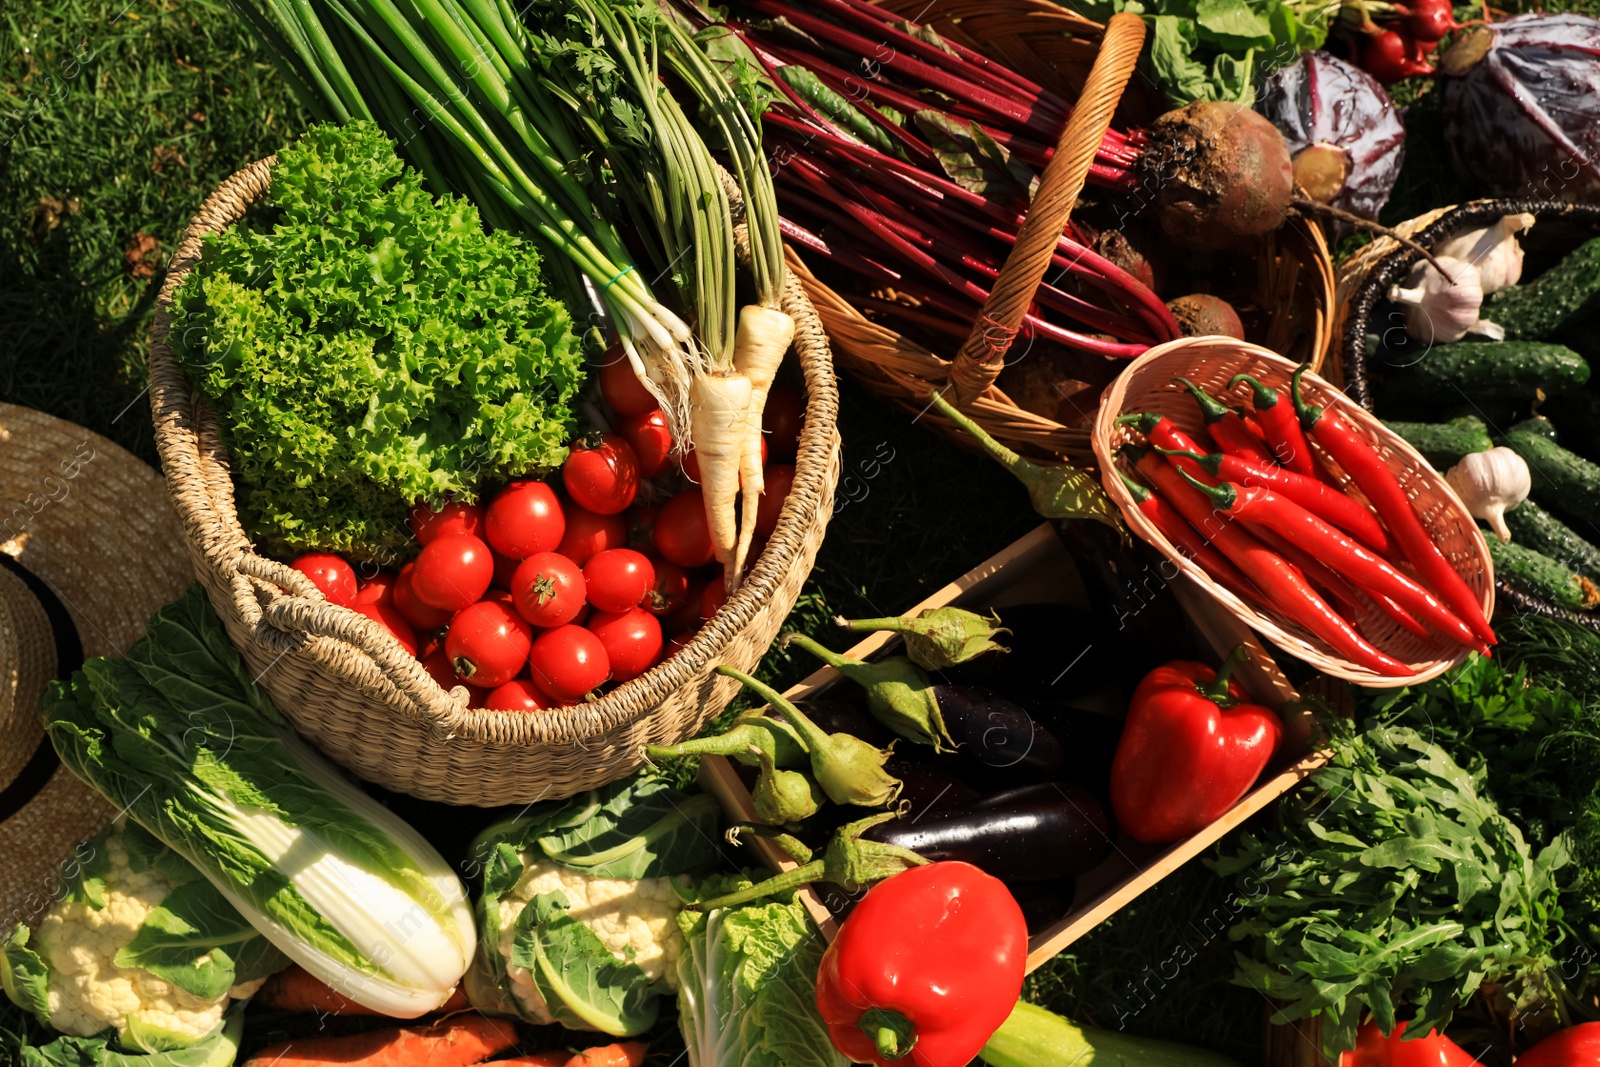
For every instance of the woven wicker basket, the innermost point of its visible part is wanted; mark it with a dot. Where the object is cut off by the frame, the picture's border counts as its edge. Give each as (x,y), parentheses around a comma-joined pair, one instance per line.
(1211,362)
(1365,278)
(1091,65)
(349,687)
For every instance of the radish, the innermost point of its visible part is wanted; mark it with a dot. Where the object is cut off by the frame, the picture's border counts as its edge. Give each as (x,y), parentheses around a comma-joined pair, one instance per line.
(762,338)
(1221,172)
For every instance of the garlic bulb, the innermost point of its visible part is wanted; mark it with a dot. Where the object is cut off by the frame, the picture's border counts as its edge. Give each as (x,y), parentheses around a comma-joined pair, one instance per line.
(1440,308)
(1494,251)
(1490,484)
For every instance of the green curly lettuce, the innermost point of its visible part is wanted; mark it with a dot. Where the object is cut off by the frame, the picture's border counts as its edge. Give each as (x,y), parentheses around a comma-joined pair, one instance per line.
(372,347)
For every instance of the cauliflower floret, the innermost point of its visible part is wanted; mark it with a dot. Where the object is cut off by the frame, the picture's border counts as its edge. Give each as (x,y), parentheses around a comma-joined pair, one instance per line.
(88,992)
(636,920)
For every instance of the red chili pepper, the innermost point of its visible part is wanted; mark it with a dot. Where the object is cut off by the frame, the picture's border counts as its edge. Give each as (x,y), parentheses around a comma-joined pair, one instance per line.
(1269,571)
(1378,482)
(1399,615)
(925,969)
(1284,436)
(1191,747)
(1334,589)
(1226,427)
(1373,574)
(1163,433)
(1576,1046)
(1318,497)
(1373,1049)
(1175,528)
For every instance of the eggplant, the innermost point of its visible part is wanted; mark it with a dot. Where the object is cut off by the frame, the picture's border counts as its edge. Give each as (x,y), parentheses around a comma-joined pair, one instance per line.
(930,786)
(1090,742)
(998,734)
(1044,903)
(1052,655)
(1034,833)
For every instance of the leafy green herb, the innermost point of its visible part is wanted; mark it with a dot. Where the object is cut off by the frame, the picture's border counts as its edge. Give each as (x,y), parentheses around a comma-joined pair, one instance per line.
(1394,881)
(372,348)
(1217,49)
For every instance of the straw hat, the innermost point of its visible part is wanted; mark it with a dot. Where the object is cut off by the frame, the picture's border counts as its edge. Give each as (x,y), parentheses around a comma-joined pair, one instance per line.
(90,547)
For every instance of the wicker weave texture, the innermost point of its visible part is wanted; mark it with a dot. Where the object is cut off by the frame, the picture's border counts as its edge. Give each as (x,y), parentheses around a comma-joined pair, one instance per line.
(1211,362)
(349,687)
(1090,65)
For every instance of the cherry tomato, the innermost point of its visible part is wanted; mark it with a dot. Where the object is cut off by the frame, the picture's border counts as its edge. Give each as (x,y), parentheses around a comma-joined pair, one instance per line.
(715,595)
(379,589)
(602,474)
(422,616)
(567,663)
(393,621)
(519,694)
(669,591)
(675,644)
(685,618)
(780,422)
(331,574)
(691,465)
(588,533)
(500,596)
(452,571)
(651,442)
(632,640)
(682,535)
(525,517)
(488,643)
(777,480)
(454,518)
(617,579)
(548,590)
(438,664)
(621,387)
(505,568)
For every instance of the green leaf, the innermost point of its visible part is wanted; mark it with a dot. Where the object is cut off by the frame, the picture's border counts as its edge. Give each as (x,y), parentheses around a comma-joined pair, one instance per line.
(583,985)
(838,109)
(217,1050)
(1232,24)
(973,159)
(639,827)
(1173,42)
(24,975)
(189,940)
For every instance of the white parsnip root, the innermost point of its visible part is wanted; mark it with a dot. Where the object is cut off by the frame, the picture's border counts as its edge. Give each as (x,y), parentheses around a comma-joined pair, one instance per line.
(763,336)
(719,425)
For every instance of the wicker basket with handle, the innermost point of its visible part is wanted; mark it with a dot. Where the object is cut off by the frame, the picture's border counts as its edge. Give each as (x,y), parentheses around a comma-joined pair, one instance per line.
(349,687)
(1211,362)
(1054,47)
(1365,277)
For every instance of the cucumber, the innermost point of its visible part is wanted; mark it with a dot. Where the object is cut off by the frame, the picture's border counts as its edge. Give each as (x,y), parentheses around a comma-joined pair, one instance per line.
(1516,372)
(1538,575)
(1443,443)
(1538,425)
(1533,527)
(1561,479)
(1563,295)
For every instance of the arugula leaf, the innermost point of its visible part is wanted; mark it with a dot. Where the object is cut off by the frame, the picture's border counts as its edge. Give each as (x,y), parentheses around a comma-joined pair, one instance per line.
(583,985)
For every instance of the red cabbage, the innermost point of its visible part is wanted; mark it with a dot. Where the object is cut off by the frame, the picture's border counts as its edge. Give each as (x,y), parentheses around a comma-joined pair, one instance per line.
(1522,106)
(1342,129)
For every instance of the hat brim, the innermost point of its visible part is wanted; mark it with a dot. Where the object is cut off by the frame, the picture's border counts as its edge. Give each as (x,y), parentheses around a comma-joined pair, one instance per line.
(43,845)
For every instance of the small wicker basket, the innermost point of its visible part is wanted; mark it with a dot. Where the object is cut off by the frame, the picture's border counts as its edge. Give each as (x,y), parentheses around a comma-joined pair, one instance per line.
(349,687)
(1365,277)
(1211,362)
(1091,65)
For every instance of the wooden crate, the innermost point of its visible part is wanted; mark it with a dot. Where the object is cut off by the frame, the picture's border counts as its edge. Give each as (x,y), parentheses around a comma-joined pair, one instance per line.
(1037,568)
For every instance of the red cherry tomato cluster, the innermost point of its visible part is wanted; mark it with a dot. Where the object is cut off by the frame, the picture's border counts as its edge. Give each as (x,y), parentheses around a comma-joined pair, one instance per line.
(536,598)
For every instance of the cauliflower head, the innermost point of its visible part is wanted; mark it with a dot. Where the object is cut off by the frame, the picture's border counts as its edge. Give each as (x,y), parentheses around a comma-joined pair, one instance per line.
(635,920)
(102,957)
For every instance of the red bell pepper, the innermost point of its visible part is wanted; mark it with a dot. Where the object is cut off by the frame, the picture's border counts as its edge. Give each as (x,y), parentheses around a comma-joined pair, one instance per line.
(1191,747)
(1576,1046)
(1373,1049)
(925,969)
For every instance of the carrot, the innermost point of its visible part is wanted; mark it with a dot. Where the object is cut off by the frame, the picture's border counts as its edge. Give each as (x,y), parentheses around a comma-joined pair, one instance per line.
(459,1041)
(758,347)
(719,425)
(542,1059)
(296,989)
(622,1054)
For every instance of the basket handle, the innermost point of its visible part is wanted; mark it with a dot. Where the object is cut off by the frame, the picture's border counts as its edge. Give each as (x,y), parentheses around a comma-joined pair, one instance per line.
(978,363)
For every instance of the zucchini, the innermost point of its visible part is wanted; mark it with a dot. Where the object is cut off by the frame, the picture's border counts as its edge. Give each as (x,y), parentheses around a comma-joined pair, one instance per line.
(1443,443)
(1560,297)
(1037,1037)
(1516,372)
(1533,527)
(1538,575)
(1561,479)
